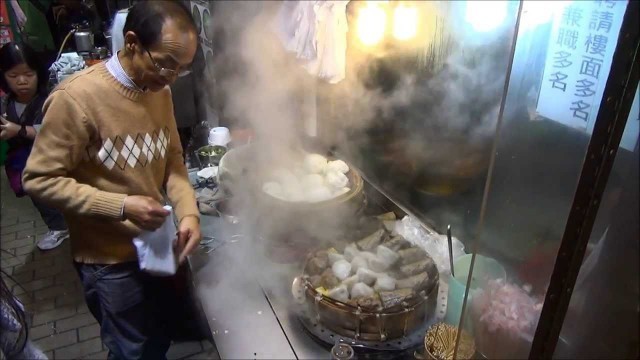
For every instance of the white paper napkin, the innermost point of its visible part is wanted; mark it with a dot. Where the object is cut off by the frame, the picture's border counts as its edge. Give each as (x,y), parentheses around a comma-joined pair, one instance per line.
(155,248)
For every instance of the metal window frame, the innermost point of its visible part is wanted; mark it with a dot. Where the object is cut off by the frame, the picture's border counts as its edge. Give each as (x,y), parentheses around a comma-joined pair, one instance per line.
(601,152)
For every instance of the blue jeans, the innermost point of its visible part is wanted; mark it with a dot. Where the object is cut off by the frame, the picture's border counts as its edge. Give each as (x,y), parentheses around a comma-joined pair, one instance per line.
(128,306)
(51,217)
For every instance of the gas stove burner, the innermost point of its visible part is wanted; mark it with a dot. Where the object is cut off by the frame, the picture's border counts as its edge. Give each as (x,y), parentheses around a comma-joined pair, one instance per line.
(413,341)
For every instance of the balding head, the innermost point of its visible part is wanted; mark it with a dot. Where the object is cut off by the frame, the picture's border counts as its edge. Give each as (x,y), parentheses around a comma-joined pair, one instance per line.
(146,19)
(160,41)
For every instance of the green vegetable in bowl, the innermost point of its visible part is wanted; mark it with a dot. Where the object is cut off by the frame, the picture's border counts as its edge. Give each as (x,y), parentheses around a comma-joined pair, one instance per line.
(212,151)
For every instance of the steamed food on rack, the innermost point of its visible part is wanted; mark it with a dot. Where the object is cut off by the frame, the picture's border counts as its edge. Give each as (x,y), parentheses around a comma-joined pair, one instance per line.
(314,180)
(356,286)
(377,273)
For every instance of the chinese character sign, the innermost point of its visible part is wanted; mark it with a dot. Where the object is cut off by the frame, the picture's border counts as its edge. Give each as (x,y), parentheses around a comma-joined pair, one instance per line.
(583,39)
(629,139)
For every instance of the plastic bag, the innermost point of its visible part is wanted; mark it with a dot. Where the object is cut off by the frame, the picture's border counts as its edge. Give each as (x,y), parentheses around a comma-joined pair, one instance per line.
(434,244)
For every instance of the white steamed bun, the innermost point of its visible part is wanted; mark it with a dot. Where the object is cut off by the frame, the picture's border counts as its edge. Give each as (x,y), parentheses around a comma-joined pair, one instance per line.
(315,163)
(337,165)
(336,180)
(361,290)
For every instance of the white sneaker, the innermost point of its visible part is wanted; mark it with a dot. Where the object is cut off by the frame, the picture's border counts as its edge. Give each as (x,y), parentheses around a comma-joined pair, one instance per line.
(53,239)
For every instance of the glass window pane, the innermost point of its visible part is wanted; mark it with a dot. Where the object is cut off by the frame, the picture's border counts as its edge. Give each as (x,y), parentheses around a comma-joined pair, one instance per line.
(563,57)
(602,319)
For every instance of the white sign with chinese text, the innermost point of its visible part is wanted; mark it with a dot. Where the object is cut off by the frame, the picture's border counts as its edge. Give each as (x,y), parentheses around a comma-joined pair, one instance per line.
(583,39)
(632,130)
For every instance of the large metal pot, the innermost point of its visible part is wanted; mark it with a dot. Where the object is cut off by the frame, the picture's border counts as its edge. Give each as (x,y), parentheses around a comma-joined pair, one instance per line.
(84,40)
(239,163)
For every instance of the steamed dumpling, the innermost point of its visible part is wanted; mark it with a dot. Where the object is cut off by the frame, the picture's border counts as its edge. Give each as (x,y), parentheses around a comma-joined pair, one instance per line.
(337,165)
(377,264)
(361,290)
(318,193)
(336,180)
(367,276)
(333,257)
(385,283)
(351,251)
(373,263)
(340,293)
(358,262)
(341,269)
(386,255)
(350,281)
(314,163)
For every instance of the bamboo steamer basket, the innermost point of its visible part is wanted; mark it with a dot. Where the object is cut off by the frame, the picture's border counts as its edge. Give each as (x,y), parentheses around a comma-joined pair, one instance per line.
(370,325)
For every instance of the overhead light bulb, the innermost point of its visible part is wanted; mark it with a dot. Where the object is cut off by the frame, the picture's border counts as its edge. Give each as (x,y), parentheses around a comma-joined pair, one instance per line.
(405,22)
(536,13)
(486,15)
(371,24)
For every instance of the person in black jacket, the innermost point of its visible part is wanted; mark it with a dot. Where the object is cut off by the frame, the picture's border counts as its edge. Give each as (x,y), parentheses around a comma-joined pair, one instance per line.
(188,98)
(25,81)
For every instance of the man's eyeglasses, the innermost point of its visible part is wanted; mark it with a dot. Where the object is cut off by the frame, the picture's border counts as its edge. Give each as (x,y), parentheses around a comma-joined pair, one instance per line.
(168,73)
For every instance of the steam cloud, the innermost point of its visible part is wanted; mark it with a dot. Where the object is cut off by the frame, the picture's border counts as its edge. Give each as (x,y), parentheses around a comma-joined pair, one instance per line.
(261,85)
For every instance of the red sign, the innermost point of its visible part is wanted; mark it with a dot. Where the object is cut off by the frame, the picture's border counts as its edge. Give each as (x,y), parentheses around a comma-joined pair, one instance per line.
(5,27)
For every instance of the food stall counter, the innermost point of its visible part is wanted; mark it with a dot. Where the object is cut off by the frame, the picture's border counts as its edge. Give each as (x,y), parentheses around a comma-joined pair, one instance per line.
(245,322)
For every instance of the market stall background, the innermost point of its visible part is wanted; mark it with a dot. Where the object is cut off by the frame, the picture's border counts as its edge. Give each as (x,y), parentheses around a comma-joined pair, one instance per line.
(419,122)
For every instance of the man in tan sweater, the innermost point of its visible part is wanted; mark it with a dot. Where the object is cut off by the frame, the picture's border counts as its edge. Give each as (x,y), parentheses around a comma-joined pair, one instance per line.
(107,153)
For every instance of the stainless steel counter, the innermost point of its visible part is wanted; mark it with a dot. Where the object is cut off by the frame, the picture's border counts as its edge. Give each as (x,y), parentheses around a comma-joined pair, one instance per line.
(246,317)
(241,320)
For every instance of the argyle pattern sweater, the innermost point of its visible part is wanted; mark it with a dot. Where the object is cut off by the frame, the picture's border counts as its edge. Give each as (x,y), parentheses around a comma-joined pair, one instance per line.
(100,142)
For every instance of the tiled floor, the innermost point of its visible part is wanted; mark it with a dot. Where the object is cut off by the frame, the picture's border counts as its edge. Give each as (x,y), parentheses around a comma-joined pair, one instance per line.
(49,287)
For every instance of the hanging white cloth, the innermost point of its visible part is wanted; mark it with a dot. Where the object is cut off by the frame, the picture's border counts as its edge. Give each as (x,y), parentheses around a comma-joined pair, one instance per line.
(316,32)
(303,43)
(295,26)
(331,41)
